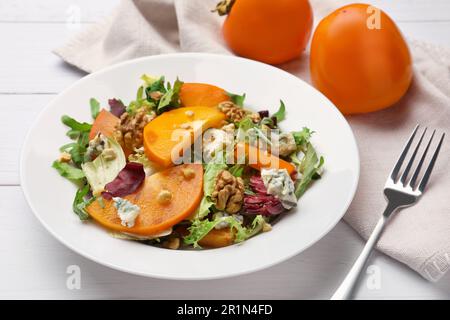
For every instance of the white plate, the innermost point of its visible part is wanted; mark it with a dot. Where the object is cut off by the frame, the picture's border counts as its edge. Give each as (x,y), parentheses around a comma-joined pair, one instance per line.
(323,205)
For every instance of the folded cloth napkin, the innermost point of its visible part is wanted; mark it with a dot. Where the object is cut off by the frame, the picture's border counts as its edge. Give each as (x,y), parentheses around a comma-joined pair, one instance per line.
(418,237)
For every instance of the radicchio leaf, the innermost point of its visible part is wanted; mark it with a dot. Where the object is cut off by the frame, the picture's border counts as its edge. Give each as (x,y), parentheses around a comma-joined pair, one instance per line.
(126,182)
(117,107)
(261,203)
(264,113)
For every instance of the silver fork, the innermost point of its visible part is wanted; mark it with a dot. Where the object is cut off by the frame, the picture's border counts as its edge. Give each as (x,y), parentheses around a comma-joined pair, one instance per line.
(399,193)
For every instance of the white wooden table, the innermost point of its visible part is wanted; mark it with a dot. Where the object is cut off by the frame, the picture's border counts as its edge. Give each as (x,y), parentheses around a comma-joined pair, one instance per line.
(33,264)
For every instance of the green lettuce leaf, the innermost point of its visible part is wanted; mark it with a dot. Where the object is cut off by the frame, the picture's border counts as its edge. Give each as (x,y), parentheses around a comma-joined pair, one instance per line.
(200,228)
(237,170)
(95,107)
(209,178)
(102,170)
(237,99)
(75,125)
(280,115)
(171,98)
(302,137)
(309,167)
(68,171)
(80,203)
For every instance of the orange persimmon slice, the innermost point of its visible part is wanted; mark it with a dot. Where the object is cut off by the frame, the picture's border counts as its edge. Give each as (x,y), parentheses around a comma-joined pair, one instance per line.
(104,123)
(174,130)
(202,94)
(154,217)
(261,159)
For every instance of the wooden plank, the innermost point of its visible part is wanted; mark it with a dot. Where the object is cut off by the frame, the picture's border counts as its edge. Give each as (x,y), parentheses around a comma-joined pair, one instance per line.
(62,11)
(34,265)
(68,11)
(17,113)
(28,66)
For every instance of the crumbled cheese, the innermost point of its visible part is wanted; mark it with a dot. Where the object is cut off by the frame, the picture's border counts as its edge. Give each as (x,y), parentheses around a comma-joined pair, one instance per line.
(215,140)
(279,183)
(96,146)
(224,224)
(127,211)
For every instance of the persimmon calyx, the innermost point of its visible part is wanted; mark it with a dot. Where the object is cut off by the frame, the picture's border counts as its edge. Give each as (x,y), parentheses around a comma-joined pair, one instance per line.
(224,7)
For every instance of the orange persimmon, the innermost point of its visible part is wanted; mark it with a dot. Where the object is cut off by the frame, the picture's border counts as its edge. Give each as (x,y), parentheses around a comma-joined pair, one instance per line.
(267,30)
(218,238)
(201,94)
(154,216)
(104,123)
(360,60)
(174,131)
(261,159)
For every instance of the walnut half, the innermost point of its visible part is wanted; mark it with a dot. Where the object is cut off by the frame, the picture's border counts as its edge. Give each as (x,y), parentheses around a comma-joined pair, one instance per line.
(129,131)
(228,194)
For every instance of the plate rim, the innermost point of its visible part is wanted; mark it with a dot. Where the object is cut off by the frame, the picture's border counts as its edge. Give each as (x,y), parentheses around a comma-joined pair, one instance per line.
(332,224)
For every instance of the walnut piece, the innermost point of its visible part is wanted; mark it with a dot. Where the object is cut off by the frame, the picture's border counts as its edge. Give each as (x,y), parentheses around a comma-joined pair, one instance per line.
(129,131)
(172,243)
(255,117)
(233,112)
(228,194)
(65,157)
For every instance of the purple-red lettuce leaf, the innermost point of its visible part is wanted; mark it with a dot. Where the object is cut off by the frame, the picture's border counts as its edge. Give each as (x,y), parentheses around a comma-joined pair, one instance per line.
(127,181)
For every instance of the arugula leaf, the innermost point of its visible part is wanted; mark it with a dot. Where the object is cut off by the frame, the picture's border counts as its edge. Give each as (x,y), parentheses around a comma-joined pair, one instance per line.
(209,178)
(171,98)
(148,80)
(79,203)
(309,166)
(237,170)
(77,153)
(200,228)
(75,125)
(95,107)
(269,121)
(157,85)
(245,124)
(280,115)
(237,99)
(68,171)
(302,137)
(140,101)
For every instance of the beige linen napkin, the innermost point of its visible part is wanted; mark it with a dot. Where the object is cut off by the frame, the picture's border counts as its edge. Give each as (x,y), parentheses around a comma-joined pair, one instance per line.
(418,237)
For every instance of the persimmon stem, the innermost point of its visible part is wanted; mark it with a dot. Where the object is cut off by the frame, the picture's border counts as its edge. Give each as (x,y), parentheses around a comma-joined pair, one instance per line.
(224,7)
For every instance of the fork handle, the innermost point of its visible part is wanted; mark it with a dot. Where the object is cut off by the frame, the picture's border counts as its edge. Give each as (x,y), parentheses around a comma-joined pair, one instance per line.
(346,288)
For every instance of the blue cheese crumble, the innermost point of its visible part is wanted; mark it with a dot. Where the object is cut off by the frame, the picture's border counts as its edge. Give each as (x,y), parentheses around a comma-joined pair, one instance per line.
(279,183)
(127,211)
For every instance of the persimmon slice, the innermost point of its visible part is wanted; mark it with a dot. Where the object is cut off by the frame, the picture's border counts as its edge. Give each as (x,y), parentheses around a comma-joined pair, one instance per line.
(202,94)
(174,130)
(155,216)
(261,159)
(104,123)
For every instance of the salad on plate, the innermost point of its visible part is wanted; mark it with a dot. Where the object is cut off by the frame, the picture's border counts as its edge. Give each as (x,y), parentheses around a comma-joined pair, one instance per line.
(185,165)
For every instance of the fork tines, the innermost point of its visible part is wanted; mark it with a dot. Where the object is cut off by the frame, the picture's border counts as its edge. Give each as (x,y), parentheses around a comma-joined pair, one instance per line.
(403,179)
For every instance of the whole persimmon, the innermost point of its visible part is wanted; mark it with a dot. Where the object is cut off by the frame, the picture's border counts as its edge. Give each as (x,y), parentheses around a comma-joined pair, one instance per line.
(360,60)
(266,30)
